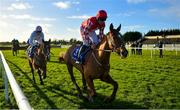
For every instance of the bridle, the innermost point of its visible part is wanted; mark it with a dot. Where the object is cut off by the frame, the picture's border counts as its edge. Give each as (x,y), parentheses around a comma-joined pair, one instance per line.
(112,47)
(111,43)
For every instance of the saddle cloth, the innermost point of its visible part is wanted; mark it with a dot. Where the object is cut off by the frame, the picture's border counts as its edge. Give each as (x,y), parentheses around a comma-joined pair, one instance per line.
(80,57)
(31,50)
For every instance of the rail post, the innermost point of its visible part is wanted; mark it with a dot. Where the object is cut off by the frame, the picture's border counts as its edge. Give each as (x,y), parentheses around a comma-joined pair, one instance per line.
(151,53)
(4,77)
(6,87)
(176,51)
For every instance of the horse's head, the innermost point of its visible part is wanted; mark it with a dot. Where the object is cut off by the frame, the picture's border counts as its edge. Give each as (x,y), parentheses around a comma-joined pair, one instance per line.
(46,49)
(115,41)
(39,56)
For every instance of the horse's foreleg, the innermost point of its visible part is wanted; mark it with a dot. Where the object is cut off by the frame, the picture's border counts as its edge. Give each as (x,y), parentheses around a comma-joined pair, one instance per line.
(91,90)
(84,82)
(39,73)
(70,69)
(32,71)
(44,72)
(16,52)
(13,53)
(109,80)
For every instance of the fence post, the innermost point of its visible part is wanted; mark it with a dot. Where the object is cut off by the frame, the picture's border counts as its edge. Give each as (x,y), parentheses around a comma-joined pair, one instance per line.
(151,53)
(5,81)
(129,52)
(176,51)
(6,87)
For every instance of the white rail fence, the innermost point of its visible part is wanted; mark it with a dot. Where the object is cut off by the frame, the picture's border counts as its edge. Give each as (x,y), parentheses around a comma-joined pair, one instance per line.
(153,50)
(21,100)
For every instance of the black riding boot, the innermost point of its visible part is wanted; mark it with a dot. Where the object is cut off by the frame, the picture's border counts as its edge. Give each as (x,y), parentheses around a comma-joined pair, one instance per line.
(81,51)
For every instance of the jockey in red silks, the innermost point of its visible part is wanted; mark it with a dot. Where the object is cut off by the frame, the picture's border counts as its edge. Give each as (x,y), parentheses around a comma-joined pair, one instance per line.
(88,28)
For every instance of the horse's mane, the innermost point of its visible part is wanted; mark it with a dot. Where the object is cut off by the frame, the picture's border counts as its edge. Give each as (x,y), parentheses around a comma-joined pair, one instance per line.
(104,39)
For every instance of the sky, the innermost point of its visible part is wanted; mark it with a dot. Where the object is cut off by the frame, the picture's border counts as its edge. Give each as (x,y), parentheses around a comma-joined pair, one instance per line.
(61,19)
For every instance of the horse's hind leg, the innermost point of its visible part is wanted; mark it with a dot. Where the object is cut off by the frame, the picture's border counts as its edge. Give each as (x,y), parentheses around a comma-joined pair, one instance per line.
(70,69)
(32,71)
(39,73)
(109,80)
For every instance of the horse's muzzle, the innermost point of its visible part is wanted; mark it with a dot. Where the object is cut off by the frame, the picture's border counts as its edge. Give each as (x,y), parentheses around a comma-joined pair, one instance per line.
(124,53)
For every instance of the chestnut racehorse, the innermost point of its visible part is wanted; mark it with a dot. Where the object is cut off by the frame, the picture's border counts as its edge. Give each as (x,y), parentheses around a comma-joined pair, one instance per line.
(97,64)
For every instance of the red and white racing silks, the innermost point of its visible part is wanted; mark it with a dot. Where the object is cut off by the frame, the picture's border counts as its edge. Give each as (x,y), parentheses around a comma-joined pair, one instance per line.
(88,28)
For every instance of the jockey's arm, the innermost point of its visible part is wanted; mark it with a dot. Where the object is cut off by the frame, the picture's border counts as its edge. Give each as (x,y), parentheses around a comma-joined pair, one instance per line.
(42,36)
(31,39)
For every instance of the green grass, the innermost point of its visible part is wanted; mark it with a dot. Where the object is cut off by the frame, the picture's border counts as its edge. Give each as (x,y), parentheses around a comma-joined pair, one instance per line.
(144,82)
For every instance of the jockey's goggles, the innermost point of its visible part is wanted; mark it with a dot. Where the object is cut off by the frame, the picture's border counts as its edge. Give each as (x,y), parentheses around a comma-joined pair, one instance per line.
(38,31)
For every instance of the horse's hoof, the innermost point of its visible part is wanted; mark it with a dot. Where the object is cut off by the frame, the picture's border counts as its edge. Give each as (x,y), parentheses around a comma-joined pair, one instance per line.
(42,83)
(91,99)
(80,96)
(85,90)
(108,99)
(44,77)
(34,82)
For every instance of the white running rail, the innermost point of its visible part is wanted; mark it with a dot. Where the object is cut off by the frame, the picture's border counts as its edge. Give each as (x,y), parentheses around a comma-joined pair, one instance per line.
(21,100)
(176,49)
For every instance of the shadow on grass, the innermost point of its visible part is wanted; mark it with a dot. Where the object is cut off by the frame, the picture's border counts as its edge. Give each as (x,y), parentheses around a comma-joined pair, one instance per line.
(116,69)
(23,57)
(81,102)
(40,92)
(116,104)
(98,101)
(54,62)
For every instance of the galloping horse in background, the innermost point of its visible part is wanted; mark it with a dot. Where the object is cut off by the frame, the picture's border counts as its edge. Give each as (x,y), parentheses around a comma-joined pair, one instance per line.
(97,64)
(39,61)
(15,47)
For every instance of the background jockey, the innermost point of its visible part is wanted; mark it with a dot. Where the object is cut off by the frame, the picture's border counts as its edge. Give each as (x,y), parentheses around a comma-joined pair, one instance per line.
(37,36)
(88,28)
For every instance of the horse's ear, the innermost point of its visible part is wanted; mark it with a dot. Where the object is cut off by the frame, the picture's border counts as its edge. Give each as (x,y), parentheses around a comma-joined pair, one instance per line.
(111,27)
(119,28)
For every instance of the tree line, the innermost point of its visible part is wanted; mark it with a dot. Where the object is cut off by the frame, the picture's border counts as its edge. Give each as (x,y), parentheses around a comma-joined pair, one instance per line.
(163,32)
(130,36)
(134,36)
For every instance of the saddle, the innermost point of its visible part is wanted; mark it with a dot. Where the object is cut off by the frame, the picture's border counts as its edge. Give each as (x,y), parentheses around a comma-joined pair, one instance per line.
(80,56)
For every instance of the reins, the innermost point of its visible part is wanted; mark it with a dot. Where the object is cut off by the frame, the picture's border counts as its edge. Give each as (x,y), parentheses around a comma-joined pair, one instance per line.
(96,59)
(104,50)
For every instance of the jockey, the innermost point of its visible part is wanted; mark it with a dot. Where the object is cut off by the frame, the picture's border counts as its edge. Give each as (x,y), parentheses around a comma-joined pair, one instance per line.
(88,28)
(37,36)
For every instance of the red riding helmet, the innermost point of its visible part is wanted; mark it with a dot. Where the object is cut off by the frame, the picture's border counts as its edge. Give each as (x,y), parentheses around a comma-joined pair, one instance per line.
(101,14)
